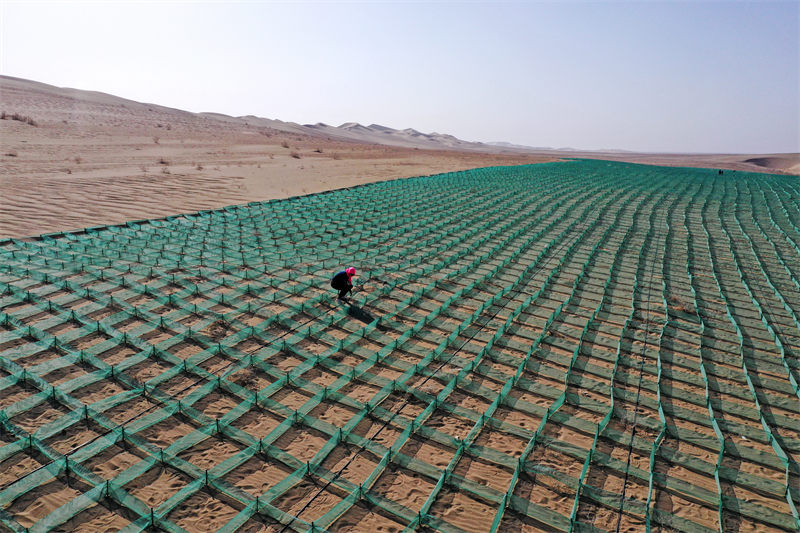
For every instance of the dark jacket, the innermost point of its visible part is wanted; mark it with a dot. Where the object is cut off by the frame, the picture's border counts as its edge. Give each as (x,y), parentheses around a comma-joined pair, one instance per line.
(341,281)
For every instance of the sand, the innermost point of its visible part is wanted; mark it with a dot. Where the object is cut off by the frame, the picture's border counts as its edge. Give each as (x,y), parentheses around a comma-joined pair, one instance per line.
(94,159)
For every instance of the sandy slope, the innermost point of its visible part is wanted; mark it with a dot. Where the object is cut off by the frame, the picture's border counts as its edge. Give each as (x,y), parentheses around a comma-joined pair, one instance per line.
(95,159)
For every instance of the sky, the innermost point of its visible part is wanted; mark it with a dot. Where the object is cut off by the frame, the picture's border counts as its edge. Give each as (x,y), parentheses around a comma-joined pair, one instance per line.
(686,76)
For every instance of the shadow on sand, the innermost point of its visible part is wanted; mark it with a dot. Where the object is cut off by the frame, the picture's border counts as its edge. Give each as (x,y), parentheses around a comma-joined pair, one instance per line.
(362,315)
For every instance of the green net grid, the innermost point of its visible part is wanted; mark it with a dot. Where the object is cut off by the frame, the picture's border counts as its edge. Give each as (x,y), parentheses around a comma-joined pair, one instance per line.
(573,346)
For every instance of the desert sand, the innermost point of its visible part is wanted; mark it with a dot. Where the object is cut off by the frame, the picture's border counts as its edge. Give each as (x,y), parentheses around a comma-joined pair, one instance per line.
(73,159)
(93,159)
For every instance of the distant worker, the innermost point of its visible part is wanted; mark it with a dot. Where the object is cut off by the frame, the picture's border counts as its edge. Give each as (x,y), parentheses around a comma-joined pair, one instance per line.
(343,282)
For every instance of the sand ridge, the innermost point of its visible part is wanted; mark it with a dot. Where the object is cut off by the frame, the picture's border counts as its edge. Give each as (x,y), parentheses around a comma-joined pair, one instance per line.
(93,159)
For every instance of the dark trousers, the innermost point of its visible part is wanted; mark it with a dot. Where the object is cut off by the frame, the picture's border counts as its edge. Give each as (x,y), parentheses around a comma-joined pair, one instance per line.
(343,292)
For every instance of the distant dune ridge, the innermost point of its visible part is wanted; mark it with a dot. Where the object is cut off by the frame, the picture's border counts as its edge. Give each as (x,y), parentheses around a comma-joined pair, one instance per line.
(93,158)
(788,162)
(409,137)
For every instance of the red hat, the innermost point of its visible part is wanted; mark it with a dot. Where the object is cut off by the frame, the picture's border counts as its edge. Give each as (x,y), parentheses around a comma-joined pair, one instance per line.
(350,271)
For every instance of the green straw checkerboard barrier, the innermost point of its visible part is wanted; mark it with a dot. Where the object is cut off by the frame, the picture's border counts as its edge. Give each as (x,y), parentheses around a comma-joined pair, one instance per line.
(652,311)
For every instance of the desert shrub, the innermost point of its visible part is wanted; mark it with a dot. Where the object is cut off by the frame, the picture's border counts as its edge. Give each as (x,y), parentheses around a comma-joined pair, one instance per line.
(285,144)
(295,155)
(20,118)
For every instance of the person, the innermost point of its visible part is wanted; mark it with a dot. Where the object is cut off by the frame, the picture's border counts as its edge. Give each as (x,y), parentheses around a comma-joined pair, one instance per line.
(343,282)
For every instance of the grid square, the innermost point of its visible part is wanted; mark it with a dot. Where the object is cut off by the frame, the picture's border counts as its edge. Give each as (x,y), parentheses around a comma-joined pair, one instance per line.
(219,330)
(351,463)
(217,403)
(181,385)
(260,524)
(131,409)
(164,433)
(203,511)
(67,373)
(34,505)
(98,391)
(360,518)
(360,391)
(15,393)
(251,378)
(258,474)
(147,369)
(404,487)
(296,498)
(157,485)
(501,441)
(216,363)
(428,451)
(186,349)
(112,461)
(483,472)
(210,452)
(118,354)
(258,422)
(18,465)
(463,511)
(321,376)
(39,416)
(75,436)
(449,423)
(291,397)
(101,517)
(378,431)
(302,442)
(333,413)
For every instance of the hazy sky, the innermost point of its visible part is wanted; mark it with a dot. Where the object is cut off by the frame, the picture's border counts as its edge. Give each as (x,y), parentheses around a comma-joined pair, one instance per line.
(651,76)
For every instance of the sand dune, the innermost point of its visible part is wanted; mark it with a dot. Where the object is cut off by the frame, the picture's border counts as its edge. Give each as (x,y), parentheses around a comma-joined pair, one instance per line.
(93,158)
(790,163)
(409,137)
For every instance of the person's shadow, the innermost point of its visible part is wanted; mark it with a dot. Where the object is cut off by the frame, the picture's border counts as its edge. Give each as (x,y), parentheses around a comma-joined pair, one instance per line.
(361,314)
